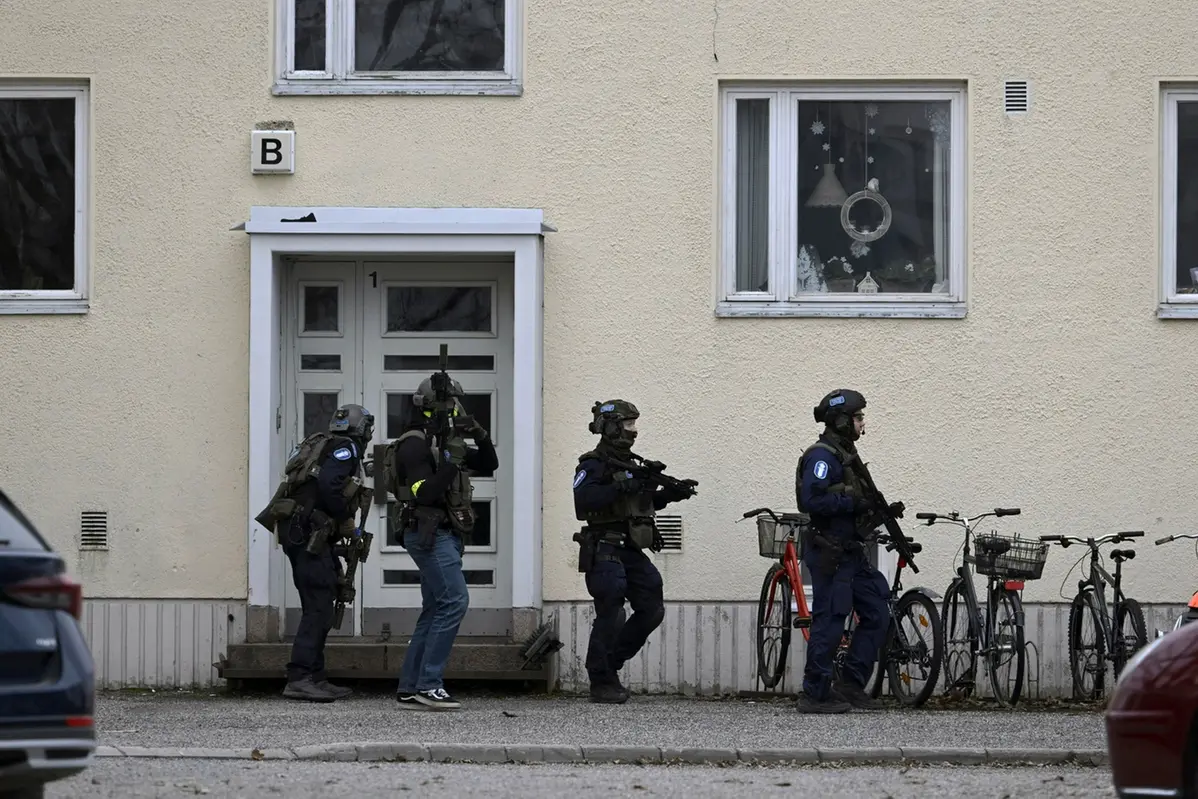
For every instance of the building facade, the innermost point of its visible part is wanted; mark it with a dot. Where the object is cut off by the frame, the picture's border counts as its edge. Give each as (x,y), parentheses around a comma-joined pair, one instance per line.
(220,222)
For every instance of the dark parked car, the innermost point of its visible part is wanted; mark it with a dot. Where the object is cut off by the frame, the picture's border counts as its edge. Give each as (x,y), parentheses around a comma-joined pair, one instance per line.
(1152,719)
(47,678)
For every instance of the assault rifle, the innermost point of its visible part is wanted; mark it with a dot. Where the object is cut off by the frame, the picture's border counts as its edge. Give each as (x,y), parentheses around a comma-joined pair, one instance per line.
(443,407)
(653,472)
(902,544)
(355,548)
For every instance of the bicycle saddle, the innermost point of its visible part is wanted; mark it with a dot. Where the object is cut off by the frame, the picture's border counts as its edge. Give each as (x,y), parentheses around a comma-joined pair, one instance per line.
(996,546)
(1123,554)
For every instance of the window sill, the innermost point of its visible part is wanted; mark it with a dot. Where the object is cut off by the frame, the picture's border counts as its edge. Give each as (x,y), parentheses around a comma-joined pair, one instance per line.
(503,87)
(32,306)
(887,309)
(1177,310)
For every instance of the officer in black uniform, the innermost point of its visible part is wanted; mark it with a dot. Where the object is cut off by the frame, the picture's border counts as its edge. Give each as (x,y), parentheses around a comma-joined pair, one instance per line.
(618,509)
(326,502)
(842,578)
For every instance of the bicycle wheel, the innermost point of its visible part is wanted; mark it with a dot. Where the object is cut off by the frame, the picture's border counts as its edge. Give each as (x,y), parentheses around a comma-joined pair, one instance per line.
(960,637)
(1005,657)
(1087,649)
(914,649)
(773,626)
(1131,633)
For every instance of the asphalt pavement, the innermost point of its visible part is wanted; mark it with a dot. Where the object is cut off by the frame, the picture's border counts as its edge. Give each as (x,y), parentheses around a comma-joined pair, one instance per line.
(138,778)
(203,720)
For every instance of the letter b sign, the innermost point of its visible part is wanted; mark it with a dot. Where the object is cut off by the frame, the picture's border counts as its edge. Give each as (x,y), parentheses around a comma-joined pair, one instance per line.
(272,152)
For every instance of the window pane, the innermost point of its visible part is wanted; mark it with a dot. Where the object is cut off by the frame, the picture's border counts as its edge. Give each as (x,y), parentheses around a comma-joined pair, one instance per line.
(421,309)
(310,35)
(429,35)
(319,408)
(400,410)
(752,195)
(320,363)
(37,194)
(320,308)
(1187,198)
(905,147)
(412,576)
(432,363)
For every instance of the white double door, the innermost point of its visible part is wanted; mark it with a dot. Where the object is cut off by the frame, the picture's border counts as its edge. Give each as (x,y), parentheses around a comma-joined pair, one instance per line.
(369,331)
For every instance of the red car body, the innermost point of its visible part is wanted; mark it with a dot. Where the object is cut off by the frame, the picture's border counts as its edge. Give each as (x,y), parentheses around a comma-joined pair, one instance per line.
(1152,719)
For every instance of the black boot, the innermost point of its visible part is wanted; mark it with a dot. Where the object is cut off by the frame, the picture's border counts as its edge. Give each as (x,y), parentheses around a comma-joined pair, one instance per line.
(831,704)
(607,693)
(307,690)
(855,695)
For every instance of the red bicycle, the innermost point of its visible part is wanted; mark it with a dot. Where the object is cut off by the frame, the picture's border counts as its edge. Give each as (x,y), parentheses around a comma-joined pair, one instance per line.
(783,603)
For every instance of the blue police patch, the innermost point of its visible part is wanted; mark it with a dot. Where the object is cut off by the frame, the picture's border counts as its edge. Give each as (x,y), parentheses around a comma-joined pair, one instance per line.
(821,470)
(578,478)
(836,401)
(342,454)
(607,408)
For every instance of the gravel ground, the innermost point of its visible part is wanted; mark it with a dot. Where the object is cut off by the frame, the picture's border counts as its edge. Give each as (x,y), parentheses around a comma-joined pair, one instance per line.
(113,778)
(202,720)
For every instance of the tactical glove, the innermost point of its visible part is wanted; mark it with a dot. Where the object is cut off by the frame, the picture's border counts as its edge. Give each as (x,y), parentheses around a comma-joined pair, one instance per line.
(626,482)
(455,452)
(474,429)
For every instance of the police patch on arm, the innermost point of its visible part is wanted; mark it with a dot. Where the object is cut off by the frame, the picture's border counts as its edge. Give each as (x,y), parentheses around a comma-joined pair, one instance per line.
(821,470)
(342,454)
(578,478)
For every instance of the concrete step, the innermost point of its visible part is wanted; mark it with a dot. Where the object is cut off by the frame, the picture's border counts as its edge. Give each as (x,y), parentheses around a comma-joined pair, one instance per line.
(366,658)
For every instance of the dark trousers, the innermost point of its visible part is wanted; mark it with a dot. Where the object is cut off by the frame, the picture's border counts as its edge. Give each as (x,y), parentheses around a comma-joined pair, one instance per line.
(855,586)
(619,574)
(315,578)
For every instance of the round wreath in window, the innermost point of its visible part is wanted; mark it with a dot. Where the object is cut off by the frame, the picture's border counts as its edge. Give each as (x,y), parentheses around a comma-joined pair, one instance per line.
(870,192)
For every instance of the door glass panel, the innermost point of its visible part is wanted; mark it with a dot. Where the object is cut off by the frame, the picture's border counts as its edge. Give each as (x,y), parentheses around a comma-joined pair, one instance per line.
(480,536)
(432,363)
(320,309)
(320,363)
(319,408)
(412,576)
(422,309)
(400,410)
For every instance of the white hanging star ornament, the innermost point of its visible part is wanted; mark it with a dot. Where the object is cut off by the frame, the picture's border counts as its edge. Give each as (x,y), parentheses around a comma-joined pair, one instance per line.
(817,127)
(871,110)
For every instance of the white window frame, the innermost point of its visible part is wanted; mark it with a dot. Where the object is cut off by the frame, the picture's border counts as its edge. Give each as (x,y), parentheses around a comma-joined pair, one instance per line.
(60,301)
(780,300)
(1172,305)
(339,77)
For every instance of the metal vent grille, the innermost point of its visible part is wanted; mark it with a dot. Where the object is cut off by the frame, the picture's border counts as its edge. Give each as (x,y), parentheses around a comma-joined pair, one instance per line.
(93,529)
(1016,97)
(670,528)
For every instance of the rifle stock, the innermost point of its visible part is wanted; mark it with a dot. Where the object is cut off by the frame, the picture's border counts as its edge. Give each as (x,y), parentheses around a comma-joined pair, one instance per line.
(902,544)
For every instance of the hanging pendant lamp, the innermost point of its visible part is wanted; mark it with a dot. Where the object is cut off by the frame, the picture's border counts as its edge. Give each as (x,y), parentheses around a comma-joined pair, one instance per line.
(828,192)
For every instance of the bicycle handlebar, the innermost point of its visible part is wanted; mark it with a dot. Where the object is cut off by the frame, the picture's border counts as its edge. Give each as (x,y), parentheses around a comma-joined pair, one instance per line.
(1112,538)
(958,519)
(751,513)
(1169,538)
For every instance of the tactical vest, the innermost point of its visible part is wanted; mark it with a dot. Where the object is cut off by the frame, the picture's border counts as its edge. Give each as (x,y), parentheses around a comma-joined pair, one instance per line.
(630,513)
(458,506)
(848,479)
(301,468)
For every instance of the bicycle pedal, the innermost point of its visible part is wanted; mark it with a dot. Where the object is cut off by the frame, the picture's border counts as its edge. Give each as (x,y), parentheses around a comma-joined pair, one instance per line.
(802,623)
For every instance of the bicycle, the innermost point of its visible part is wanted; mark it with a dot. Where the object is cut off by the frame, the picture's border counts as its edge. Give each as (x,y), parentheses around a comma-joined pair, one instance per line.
(904,652)
(1111,643)
(1191,613)
(783,606)
(1006,563)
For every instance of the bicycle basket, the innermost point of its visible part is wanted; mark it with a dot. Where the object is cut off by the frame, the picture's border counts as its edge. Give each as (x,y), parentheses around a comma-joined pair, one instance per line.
(771,535)
(1023,561)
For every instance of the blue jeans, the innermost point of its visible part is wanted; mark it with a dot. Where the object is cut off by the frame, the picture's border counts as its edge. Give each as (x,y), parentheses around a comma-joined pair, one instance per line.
(443,587)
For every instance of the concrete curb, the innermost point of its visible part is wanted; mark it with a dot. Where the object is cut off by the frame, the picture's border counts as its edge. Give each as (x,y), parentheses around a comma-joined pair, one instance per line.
(645,755)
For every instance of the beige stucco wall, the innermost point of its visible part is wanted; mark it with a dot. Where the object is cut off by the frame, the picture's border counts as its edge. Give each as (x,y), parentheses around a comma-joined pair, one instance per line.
(1060,392)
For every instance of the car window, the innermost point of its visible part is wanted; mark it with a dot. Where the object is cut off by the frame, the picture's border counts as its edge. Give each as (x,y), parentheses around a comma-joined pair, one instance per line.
(15,533)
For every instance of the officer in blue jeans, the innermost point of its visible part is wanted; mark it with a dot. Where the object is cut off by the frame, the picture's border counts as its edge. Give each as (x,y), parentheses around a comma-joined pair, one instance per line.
(436,476)
(842,578)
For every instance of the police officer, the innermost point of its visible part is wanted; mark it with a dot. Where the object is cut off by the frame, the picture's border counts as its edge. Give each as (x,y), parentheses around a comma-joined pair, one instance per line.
(326,499)
(842,579)
(432,481)
(618,508)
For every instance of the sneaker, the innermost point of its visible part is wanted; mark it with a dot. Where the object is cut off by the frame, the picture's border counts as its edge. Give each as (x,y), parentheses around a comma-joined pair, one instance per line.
(855,695)
(832,704)
(407,700)
(437,699)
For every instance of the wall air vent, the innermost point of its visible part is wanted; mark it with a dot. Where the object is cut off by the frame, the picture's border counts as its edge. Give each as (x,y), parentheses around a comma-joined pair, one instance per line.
(93,530)
(670,528)
(1016,97)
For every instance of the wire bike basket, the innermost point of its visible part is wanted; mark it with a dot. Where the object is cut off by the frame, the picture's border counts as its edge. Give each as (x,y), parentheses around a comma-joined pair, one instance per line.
(1023,561)
(772,536)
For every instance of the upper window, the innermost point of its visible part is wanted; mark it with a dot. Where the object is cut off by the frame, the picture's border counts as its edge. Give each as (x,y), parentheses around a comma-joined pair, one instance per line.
(1179,281)
(399,47)
(43,197)
(843,201)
